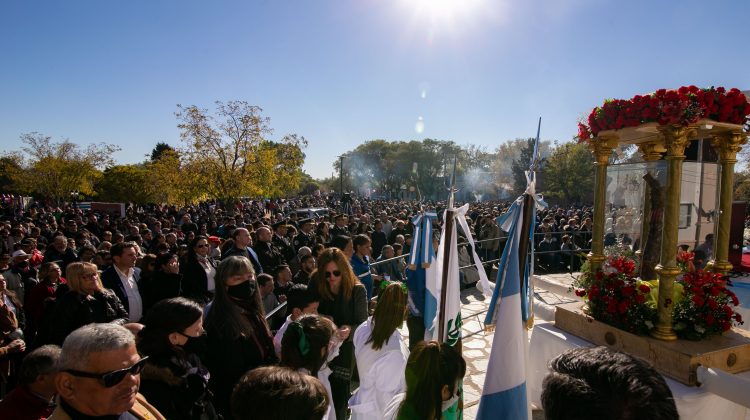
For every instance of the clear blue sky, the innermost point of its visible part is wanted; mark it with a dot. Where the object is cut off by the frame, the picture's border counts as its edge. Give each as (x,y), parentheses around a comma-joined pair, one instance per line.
(344,72)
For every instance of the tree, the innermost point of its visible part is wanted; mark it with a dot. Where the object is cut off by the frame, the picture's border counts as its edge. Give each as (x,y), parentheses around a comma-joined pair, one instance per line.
(12,174)
(505,156)
(742,186)
(125,183)
(288,159)
(569,173)
(232,153)
(160,149)
(520,165)
(307,185)
(55,169)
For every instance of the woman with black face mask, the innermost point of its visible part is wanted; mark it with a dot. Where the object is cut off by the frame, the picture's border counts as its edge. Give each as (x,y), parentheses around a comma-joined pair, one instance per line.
(238,337)
(174,379)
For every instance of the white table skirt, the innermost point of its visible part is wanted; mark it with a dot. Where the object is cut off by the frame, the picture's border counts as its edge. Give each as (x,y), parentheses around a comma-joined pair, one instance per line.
(547,342)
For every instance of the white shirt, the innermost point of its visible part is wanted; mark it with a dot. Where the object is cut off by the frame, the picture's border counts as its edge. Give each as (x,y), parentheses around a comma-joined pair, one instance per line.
(135,304)
(323,374)
(381,372)
(391,410)
(279,335)
(210,273)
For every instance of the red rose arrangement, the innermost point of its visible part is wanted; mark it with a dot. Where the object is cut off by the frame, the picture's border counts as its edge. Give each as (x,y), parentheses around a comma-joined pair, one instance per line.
(685,260)
(683,106)
(706,306)
(614,295)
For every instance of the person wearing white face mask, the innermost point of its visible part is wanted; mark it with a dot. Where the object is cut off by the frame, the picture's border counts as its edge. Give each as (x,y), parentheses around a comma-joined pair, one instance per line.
(433,374)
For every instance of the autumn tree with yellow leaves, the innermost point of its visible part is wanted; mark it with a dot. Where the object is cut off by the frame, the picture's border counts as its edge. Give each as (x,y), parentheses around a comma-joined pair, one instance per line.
(229,155)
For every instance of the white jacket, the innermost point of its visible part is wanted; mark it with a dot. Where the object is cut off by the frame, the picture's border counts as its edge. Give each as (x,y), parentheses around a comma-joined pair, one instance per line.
(381,373)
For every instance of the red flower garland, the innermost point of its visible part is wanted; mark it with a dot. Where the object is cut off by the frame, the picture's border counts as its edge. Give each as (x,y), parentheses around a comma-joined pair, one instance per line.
(706,308)
(615,297)
(683,106)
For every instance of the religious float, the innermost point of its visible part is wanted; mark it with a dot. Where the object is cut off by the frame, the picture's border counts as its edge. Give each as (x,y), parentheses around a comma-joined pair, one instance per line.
(655,304)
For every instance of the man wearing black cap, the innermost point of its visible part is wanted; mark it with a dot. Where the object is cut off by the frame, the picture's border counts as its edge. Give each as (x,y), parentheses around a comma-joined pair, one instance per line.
(306,237)
(281,242)
(340,228)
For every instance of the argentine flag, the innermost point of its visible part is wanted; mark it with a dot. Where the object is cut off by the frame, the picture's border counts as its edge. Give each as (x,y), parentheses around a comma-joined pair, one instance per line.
(421,266)
(434,275)
(504,392)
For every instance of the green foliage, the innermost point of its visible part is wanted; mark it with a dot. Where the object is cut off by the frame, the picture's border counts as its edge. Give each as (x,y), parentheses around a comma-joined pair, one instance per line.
(12,175)
(742,186)
(521,165)
(229,154)
(54,169)
(569,174)
(159,150)
(125,183)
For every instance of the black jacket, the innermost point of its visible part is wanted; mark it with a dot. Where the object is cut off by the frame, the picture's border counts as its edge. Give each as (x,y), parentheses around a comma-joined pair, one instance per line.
(178,387)
(111,280)
(194,280)
(74,310)
(159,286)
(228,359)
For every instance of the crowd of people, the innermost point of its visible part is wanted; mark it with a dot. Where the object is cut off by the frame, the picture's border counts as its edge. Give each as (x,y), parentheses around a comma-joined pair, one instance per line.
(175,305)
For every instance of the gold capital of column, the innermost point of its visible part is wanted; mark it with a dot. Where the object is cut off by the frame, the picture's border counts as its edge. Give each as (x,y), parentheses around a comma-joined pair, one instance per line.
(652,150)
(676,138)
(728,145)
(602,148)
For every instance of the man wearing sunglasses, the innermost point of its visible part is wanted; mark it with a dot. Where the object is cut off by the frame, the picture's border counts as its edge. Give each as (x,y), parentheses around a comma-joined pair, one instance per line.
(99,375)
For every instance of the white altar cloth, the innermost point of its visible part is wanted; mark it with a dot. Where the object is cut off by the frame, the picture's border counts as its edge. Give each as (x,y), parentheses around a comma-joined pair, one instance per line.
(692,402)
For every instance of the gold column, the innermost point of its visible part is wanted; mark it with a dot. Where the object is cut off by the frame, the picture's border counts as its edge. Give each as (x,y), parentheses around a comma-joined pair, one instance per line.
(728,144)
(601,149)
(675,140)
(651,152)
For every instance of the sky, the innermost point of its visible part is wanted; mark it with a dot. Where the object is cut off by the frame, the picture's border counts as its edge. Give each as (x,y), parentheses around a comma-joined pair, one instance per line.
(344,72)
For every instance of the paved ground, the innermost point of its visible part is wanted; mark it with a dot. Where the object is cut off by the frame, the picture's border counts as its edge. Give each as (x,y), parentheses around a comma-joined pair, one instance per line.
(549,291)
(477,346)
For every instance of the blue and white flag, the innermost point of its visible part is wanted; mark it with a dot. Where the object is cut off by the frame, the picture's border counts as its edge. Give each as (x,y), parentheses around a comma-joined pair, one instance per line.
(421,265)
(452,319)
(504,393)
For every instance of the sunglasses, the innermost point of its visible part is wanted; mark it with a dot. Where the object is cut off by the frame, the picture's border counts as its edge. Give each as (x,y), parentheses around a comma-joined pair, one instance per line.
(114,377)
(335,273)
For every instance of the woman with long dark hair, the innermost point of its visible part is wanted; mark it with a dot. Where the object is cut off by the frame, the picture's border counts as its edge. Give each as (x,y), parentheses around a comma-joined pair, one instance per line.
(238,337)
(381,354)
(198,272)
(165,282)
(305,348)
(174,380)
(433,373)
(344,299)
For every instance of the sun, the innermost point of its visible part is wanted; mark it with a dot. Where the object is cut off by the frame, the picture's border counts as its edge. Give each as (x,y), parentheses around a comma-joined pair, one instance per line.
(442,9)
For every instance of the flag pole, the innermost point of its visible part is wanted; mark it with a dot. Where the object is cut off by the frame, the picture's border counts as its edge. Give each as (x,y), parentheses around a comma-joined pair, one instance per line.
(528,213)
(449,216)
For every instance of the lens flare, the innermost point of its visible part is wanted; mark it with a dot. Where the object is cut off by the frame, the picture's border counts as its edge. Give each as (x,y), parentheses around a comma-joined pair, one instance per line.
(424,89)
(419,126)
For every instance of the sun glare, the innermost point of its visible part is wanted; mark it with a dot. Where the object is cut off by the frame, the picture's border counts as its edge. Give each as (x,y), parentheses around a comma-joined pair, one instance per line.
(437,10)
